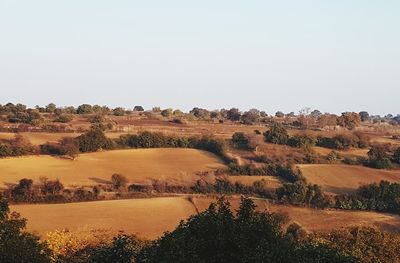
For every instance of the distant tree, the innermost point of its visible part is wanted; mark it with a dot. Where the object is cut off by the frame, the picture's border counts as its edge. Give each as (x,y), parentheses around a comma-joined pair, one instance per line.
(364,115)
(119,181)
(17,245)
(327,120)
(167,112)
(156,109)
(63,118)
(315,113)
(51,187)
(200,113)
(70,110)
(233,114)
(69,147)
(93,140)
(250,117)
(379,157)
(241,141)
(138,108)
(23,191)
(84,109)
(279,114)
(51,108)
(349,120)
(215,114)
(119,111)
(277,134)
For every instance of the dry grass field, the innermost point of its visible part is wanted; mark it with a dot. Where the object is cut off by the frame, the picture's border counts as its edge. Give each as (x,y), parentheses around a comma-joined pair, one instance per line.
(339,179)
(272,182)
(149,218)
(354,152)
(138,165)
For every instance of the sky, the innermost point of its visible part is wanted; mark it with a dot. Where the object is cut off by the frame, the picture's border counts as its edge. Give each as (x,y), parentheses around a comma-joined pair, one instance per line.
(335,56)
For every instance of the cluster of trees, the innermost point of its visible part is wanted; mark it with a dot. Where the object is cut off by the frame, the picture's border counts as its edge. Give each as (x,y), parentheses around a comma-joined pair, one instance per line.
(301,193)
(48,191)
(286,172)
(148,139)
(278,134)
(241,141)
(17,146)
(344,141)
(382,157)
(382,197)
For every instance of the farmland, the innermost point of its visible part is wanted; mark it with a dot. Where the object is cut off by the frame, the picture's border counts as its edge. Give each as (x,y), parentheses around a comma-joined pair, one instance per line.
(149,218)
(339,179)
(138,166)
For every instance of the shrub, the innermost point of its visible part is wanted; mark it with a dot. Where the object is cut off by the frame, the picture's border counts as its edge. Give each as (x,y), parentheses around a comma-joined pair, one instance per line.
(333,156)
(379,158)
(301,193)
(301,141)
(277,134)
(241,141)
(63,118)
(119,181)
(94,140)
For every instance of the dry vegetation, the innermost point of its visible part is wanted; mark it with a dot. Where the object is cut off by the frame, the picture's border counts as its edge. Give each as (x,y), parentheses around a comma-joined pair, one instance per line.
(149,218)
(138,166)
(340,179)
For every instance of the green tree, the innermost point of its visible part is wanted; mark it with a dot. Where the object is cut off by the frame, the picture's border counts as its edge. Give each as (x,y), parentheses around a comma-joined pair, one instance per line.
(277,134)
(250,117)
(378,157)
(217,235)
(84,109)
(17,245)
(93,140)
(123,249)
(241,141)
(119,111)
(233,114)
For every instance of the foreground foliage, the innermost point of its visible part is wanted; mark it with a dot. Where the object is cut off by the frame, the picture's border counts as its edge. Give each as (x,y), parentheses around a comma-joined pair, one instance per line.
(217,235)
(16,245)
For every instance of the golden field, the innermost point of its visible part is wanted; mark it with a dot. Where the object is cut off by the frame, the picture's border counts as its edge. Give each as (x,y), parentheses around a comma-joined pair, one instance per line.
(340,178)
(137,165)
(149,218)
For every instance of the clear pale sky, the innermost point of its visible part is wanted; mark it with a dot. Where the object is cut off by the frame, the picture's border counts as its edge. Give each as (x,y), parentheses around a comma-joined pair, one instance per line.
(334,55)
